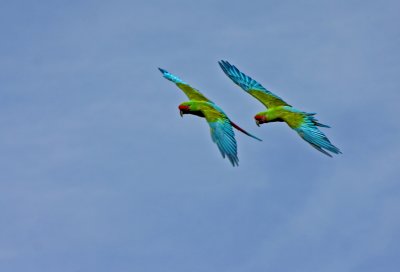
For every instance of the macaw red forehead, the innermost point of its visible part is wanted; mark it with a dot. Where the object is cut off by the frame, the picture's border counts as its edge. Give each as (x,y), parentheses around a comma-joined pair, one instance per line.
(183,107)
(258,117)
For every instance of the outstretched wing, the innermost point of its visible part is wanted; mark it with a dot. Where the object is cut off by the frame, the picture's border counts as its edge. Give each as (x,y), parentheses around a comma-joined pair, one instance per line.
(222,133)
(307,128)
(190,92)
(251,86)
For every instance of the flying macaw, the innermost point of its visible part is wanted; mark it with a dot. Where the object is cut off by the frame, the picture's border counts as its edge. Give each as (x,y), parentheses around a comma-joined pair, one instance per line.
(279,111)
(220,125)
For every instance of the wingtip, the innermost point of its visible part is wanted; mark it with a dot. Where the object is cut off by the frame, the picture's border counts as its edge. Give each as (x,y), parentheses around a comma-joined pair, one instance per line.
(234,161)
(162,70)
(224,66)
(224,63)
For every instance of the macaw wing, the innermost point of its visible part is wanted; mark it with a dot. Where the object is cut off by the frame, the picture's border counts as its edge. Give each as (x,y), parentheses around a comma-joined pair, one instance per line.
(308,130)
(222,134)
(251,86)
(190,92)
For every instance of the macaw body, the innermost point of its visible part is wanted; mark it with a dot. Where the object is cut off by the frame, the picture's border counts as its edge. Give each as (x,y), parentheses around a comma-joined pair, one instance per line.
(221,127)
(278,110)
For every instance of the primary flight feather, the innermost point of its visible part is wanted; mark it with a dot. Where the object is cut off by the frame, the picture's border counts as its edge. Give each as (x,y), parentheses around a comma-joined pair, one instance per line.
(221,127)
(279,111)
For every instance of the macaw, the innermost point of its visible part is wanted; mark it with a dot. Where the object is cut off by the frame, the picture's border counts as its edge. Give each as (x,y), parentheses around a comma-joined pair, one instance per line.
(220,125)
(278,110)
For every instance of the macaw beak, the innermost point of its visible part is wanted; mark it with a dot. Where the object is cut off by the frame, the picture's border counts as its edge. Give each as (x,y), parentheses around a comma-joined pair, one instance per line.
(181,113)
(257,123)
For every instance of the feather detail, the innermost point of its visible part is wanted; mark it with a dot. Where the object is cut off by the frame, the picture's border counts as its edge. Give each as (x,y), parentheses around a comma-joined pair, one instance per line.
(223,136)
(170,76)
(251,86)
(310,133)
(191,93)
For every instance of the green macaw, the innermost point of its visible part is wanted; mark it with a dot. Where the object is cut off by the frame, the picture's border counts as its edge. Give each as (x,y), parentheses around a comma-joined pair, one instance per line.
(220,125)
(279,111)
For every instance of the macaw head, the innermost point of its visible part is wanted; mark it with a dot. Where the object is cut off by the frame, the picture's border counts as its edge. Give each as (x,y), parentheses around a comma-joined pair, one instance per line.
(190,107)
(261,118)
(184,108)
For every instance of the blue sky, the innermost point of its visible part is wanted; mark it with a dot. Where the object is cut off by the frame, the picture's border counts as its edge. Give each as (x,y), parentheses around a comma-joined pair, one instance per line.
(98,172)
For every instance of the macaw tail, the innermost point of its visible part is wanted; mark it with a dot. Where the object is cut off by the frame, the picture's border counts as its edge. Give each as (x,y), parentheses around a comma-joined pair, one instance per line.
(244,131)
(170,76)
(316,138)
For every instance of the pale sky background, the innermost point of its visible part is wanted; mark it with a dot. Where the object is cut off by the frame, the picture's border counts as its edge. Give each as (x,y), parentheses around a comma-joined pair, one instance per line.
(98,172)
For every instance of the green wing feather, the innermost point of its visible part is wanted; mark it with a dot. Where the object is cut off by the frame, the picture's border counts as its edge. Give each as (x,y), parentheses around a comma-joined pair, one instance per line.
(192,93)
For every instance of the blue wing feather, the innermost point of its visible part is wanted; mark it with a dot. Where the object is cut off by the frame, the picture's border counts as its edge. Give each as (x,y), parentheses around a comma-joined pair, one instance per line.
(243,80)
(316,138)
(170,76)
(223,136)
